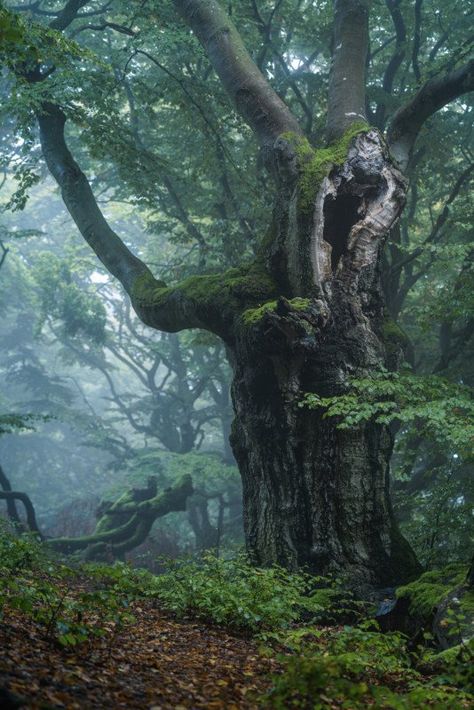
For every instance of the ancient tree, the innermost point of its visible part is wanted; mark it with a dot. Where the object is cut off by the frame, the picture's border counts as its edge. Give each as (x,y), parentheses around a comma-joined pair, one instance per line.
(308,312)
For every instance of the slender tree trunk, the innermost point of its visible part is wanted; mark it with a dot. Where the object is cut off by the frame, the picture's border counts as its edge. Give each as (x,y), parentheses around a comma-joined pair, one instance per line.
(316,495)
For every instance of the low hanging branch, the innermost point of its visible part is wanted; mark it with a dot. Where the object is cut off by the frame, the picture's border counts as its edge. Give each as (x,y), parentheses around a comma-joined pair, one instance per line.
(121,526)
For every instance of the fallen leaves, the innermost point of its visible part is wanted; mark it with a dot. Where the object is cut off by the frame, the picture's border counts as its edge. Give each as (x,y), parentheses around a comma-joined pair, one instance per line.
(155,663)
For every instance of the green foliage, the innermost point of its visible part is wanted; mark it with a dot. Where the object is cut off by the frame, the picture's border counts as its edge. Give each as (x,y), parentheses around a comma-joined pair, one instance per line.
(431,588)
(436,515)
(323,667)
(358,667)
(236,594)
(77,312)
(10,423)
(34,583)
(442,410)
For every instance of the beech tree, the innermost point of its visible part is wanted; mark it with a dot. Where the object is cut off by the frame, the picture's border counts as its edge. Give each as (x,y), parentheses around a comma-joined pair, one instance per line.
(308,311)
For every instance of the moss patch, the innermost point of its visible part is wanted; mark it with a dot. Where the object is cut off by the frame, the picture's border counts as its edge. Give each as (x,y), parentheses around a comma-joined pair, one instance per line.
(254,315)
(231,290)
(393,334)
(316,164)
(432,587)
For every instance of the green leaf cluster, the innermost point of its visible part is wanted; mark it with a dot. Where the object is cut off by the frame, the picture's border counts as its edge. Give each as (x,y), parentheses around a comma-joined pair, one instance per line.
(40,586)
(442,409)
(358,667)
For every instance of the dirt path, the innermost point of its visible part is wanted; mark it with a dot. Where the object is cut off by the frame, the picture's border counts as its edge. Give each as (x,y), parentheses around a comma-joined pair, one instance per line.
(154,663)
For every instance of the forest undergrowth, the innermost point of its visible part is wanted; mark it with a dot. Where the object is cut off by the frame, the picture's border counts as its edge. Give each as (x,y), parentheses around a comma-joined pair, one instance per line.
(208,633)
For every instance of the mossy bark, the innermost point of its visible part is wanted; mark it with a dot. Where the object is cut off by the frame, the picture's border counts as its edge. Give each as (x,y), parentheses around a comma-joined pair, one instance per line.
(125,524)
(316,496)
(304,317)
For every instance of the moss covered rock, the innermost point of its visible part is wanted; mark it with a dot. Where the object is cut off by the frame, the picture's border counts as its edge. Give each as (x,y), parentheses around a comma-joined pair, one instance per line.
(442,601)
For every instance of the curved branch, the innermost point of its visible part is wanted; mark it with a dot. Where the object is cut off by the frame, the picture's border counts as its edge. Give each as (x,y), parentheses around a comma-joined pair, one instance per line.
(80,202)
(433,95)
(11,506)
(68,14)
(140,518)
(255,100)
(5,251)
(346,97)
(170,309)
(10,496)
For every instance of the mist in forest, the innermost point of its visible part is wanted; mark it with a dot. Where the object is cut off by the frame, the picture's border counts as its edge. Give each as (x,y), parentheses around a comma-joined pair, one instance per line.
(236,352)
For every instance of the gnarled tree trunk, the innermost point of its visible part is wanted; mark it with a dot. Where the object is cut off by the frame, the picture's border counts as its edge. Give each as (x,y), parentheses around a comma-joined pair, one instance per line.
(315,495)
(309,312)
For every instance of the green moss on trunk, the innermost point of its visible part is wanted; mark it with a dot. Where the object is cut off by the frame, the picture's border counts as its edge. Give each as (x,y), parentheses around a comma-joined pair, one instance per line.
(254,315)
(315,164)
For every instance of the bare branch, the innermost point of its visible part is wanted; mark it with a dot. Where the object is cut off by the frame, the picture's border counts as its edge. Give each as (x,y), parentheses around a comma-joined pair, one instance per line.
(11,496)
(67,15)
(396,58)
(432,238)
(254,99)
(417,40)
(105,25)
(432,96)
(5,251)
(11,505)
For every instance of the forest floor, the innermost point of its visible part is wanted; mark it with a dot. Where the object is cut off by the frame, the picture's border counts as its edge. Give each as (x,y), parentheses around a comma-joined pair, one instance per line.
(153,662)
(93,636)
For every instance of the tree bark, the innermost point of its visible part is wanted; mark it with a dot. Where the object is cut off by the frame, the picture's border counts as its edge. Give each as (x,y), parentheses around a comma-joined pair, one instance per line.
(317,496)
(314,495)
(346,95)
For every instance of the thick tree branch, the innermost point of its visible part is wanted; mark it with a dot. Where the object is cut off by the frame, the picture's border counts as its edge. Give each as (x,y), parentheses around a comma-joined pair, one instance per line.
(80,201)
(67,15)
(139,518)
(254,98)
(432,96)
(346,98)
(11,505)
(188,305)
